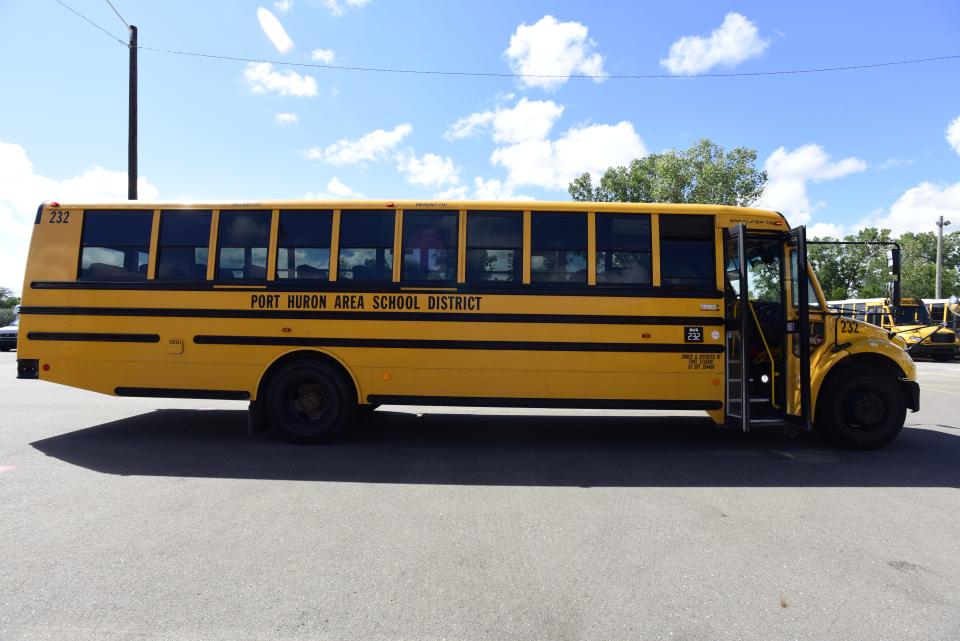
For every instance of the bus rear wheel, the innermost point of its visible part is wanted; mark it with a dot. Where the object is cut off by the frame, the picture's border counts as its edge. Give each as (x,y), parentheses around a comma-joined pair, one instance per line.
(861,408)
(309,402)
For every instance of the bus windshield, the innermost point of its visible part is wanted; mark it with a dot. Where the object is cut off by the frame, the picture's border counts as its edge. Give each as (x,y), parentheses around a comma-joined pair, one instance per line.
(910,315)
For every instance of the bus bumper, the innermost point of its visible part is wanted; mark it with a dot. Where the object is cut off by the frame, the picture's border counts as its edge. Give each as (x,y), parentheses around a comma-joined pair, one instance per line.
(911,393)
(28,368)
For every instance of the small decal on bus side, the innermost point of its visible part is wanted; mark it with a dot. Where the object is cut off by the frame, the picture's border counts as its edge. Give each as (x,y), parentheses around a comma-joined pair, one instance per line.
(59,216)
(693,334)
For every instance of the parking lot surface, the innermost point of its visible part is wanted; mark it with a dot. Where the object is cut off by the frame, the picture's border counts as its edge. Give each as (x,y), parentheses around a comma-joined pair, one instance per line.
(162,519)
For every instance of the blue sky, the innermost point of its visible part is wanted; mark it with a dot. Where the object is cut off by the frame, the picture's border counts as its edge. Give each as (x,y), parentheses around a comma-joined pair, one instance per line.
(843,149)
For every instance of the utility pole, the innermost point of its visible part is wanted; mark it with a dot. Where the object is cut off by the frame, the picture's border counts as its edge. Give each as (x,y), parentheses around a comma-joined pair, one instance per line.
(940,224)
(132,126)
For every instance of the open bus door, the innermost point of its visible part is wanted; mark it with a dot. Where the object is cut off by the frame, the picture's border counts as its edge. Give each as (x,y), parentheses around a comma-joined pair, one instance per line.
(767,321)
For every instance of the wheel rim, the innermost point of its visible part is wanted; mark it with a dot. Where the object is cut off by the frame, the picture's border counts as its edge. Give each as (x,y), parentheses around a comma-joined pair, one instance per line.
(865,408)
(309,402)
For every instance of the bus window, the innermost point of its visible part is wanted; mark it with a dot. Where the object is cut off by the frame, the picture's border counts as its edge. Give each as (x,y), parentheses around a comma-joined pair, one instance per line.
(430,245)
(911,315)
(687,251)
(623,248)
(873,315)
(243,239)
(937,314)
(115,245)
(558,244)
(303,244)
(494,246)
(183,244)
(860,311)
(366,246)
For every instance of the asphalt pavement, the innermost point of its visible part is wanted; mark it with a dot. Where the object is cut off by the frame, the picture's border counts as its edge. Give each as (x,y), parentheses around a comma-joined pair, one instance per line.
(162,519)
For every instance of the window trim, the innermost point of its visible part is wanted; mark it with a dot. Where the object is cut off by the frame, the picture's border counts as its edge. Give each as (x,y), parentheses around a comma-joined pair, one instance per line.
(216,261)
(520,249)
(452,213)
(156,246)
(83,242)
(586,250)
(277,247)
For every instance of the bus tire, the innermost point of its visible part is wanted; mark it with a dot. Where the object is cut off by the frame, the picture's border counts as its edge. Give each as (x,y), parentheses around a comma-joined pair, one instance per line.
(861,408)
(309,402)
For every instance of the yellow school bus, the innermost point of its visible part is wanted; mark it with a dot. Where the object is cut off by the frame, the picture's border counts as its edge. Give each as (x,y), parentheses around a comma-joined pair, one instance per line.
(946,311)
(315,310)
(909,319)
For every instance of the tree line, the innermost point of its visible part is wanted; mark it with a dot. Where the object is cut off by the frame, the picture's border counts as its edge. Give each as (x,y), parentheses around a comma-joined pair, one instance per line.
(706,173)
(7,302)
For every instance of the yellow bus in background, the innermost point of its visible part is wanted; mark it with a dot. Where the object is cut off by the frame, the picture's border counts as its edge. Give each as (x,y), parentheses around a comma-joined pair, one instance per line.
(910,320)
(946,311)
(311,310)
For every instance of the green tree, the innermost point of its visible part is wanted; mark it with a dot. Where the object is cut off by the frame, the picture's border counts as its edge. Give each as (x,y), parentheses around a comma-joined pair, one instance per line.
(7,298)
(704,173)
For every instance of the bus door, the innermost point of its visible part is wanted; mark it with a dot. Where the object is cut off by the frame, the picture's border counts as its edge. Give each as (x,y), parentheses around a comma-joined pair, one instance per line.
(760,324)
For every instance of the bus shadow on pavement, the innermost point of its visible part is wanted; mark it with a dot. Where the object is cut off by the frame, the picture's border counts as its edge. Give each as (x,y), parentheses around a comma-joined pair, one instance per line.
(458,449)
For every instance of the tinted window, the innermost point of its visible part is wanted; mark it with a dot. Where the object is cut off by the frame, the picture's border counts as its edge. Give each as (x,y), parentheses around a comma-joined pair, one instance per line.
(429,245)
(115,245)
(558,248)
(303,244)
(495,246)
(687,252)
(623,248)
(366,246)
(242,239)
(183,244)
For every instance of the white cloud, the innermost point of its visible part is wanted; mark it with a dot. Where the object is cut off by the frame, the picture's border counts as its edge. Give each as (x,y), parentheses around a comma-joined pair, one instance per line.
(953,134)
(322,55)
(552,164)
(528,119)
(892,163)
(430,170)
(822,230)
(337,9)
(919,208)
(335,190)
(734,41)
(372,147)
(283,5)
(261,78)
(789,172)
(551,48)
(274,30)
(286,118)
(493,189)
(22,190)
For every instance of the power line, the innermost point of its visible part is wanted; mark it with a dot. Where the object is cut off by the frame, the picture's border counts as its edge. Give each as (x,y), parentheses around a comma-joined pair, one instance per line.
(501,74)
(90,22)
(125,23)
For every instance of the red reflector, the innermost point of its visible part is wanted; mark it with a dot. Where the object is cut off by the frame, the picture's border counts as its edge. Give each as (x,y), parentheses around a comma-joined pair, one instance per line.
(389,204)
(46,367)
(54,204)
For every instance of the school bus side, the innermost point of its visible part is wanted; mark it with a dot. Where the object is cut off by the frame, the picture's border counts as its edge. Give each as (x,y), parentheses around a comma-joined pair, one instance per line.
(546,306)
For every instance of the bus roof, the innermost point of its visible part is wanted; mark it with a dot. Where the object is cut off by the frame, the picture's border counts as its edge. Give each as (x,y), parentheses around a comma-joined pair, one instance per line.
(904,302)
(516,205)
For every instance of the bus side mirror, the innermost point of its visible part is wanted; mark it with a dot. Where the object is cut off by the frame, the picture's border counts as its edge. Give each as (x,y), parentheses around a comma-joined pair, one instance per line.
(954,305)
(893,292)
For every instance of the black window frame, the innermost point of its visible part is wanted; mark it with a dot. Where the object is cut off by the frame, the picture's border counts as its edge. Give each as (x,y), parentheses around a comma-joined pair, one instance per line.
(418,214)
(296,245)
(268,214)
(707,240)
(130,276)
(622,247)
(564,248)
(349,216)
(516,216)
(161,245)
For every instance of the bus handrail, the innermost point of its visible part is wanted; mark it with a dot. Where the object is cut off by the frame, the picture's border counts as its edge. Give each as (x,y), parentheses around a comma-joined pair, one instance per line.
(773,366)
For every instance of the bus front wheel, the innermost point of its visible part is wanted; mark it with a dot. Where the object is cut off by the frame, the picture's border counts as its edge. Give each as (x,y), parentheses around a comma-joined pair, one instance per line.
(861,408)
(309,402)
